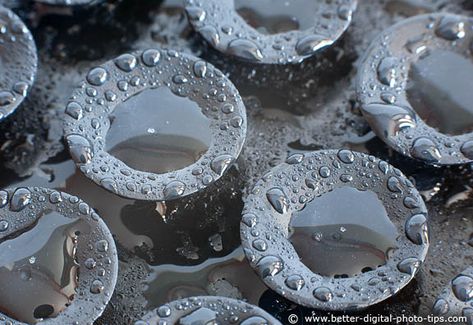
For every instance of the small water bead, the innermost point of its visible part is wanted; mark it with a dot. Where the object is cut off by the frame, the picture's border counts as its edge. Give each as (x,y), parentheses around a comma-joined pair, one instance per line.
(180,132)
(353,230)
(4,225)
(38,268)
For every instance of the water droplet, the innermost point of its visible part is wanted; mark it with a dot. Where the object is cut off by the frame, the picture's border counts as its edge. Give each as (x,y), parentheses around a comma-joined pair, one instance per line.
(441,307)
(97,287)
(425,149)
(245,49)
(80,149)
(6,98)
(417,229)
(451,28)
(346,156)
(126,62)
(269,266)
(200,69)
(151,57)
(74,109)
(409,265)
(311,44)
(97,76)
(20,199)
(221,163)
(295,159)
(164,311)
(323,294)
(462,287)
(4,225)
(260,244)
(388,71)
(295,282)
(388,120)
(3,198)
(278,200)
(196,13)
(174,190)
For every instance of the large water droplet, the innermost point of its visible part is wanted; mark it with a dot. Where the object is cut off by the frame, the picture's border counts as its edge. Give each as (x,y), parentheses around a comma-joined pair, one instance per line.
(462,287)
(80,149)
(245,49)
(425,149)
(451,28)
(417,230)
(97,76)
(389,71)
(278,199)
(20,199)
(269,266)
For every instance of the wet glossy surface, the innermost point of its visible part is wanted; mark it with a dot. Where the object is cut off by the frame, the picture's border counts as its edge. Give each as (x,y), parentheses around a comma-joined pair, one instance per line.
(38,270)
(439,89)
(343,233)
(327,122)
(157,131)
(228,276)
(273,17)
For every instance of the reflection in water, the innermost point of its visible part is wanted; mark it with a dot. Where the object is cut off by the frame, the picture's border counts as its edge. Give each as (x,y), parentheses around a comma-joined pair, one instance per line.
(228,276)
(273,17)
(157,131)
(38,271)
(180,232)
(439,89)
(343,233)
